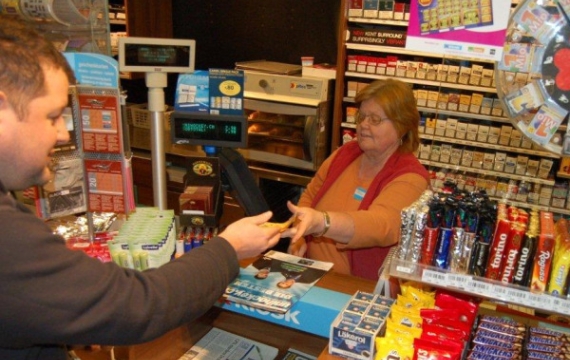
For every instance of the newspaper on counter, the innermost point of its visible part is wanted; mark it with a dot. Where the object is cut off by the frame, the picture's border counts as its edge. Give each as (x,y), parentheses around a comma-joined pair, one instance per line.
(218,344)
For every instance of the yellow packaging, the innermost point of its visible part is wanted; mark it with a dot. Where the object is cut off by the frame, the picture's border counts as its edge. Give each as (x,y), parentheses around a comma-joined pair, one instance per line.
(388,348)
(405,317)
(398,329)
(413,291)
(561,259)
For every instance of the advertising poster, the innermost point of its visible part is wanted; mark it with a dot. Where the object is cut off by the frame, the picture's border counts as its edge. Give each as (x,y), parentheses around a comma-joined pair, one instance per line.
(100,123)
(467,28)
(105,190)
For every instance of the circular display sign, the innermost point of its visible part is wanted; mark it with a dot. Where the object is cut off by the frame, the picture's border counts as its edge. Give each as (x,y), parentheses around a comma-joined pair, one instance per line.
(556,67)
(230,88)
(533,76)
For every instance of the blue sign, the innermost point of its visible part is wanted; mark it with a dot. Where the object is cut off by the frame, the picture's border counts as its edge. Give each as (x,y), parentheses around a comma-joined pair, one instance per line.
(94,69)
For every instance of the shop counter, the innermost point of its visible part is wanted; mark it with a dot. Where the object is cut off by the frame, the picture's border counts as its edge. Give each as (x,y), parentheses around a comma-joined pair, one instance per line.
(175,343)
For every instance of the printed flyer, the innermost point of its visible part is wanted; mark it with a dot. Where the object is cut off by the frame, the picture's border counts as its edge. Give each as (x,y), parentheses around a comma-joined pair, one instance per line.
(275,281)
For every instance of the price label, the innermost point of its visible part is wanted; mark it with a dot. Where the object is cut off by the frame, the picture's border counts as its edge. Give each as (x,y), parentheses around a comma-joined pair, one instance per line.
(537,300)
(404,269)
(546,302)
(561,306)
(459,281)
(498,292)
(517,296)
(555,305)
(434,277)
(481,288)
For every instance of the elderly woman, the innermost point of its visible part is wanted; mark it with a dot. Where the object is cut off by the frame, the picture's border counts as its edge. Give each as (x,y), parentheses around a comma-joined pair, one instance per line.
(350,212)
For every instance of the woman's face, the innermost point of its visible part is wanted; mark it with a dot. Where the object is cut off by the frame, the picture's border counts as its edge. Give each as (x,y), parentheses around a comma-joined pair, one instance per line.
(375,132)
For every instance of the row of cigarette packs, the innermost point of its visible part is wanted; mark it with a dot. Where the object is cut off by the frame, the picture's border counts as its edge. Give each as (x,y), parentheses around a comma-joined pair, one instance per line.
(392,65)
(451,100)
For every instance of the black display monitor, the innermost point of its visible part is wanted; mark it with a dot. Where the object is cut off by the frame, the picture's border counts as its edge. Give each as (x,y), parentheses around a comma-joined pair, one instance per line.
(239,181)
(208,130)
(137,54)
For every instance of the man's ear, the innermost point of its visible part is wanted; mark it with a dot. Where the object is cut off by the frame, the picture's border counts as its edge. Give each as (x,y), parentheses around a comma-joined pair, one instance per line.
(3,101)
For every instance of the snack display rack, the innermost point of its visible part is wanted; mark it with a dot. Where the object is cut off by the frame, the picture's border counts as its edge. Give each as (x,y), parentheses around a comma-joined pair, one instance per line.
(478,286)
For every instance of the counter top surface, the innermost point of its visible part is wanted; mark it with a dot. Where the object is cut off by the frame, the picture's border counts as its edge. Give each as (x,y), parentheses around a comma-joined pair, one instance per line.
(175,343)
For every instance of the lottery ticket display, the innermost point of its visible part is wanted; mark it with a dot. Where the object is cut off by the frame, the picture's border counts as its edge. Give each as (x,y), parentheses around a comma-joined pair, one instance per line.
(533,76)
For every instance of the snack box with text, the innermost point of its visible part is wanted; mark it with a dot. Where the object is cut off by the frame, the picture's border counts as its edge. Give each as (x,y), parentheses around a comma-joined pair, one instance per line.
(359,323)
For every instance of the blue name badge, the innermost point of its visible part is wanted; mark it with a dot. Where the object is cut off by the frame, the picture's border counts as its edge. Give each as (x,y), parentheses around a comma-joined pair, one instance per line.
(359,193)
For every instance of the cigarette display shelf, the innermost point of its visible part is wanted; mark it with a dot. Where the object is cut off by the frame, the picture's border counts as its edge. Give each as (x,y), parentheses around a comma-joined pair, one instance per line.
(349,46)
(346,73)
(479,287)
(460,114)
(530,179)
(489,146)
(416,81)
(404,51)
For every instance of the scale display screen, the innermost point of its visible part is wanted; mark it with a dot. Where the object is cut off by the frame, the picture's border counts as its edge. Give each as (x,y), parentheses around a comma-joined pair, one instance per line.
(209,130)
(156,55)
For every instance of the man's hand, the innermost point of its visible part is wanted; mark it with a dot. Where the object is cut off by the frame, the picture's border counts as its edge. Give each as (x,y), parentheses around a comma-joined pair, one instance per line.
(249,238)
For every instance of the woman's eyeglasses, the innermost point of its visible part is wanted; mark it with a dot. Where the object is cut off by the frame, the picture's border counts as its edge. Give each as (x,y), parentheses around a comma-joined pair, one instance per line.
(373,120)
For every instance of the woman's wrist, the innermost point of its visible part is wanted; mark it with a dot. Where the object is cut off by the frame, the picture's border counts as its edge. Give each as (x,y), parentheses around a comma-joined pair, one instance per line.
(327,224)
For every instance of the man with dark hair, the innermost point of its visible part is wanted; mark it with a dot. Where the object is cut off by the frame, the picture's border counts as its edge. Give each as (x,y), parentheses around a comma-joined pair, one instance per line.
(53,297)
